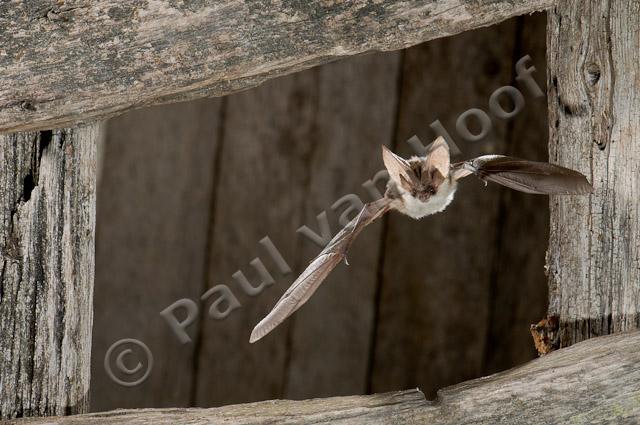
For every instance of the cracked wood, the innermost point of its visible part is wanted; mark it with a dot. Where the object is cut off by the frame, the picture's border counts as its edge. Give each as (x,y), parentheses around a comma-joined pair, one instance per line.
(47,222)
(74,61)
(594,99)
(595,381)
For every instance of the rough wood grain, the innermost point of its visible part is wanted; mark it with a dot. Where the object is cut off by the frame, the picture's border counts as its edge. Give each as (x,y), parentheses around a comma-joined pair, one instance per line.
(79,60)
(518,291)
(435,286)
(151,242)
(47,207)
(596,381)
(594,100)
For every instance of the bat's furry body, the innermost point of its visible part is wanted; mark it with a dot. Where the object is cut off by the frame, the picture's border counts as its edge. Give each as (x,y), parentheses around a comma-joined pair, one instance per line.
(419,187)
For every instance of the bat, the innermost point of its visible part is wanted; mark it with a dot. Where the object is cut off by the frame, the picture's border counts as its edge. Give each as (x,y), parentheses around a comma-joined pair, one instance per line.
(418,187)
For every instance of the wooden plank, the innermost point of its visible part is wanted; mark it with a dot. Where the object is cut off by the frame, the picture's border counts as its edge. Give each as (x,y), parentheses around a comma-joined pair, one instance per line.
(357,109)
(153,212)
(594,251)
(518,292)
(47,240)
(435,290)
(334,110)
(81,60)
(595,381)
(269,140)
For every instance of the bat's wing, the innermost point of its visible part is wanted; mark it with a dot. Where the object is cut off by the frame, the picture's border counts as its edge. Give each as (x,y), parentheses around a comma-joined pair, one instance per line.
(316,272)
(526,176)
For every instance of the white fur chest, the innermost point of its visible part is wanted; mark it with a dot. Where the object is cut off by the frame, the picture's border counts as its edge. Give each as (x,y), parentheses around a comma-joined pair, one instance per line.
(415,208)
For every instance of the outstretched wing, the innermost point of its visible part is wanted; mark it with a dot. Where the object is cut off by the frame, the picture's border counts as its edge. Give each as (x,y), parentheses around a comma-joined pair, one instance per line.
(526,176)
(316,272)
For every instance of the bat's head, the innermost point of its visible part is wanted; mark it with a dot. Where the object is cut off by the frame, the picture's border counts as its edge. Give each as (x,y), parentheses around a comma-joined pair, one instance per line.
(419,176)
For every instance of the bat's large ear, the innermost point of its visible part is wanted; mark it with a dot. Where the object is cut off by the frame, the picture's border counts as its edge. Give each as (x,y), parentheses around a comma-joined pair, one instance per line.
(395,165)
(438,156)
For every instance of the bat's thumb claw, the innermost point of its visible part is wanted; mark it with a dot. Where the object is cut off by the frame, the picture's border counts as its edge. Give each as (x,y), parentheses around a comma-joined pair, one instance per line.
(346,261)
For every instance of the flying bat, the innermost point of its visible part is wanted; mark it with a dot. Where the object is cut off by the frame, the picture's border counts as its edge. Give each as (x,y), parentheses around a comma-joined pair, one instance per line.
(418,187)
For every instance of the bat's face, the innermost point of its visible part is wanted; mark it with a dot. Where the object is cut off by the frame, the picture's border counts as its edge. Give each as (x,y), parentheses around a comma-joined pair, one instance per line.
(420,177)
(423,181)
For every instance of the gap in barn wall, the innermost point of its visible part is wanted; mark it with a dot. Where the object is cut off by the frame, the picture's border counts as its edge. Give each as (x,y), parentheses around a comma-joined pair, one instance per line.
(483,247)
(188,190)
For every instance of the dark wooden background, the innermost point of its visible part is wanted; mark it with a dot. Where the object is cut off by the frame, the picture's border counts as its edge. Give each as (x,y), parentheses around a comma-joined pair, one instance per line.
(188,190)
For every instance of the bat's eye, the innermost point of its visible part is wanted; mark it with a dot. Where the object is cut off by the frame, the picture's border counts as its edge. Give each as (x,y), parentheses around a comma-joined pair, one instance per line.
(414,192)
(426,192)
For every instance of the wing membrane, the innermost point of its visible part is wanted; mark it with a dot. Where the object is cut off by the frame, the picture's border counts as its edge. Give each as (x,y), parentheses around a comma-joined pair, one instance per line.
(525,176)
(317,271)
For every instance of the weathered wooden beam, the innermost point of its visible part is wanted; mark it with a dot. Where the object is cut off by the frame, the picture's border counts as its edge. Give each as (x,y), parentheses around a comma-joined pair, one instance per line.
(592,382)
(593,50)
(47,223)
(70,62)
